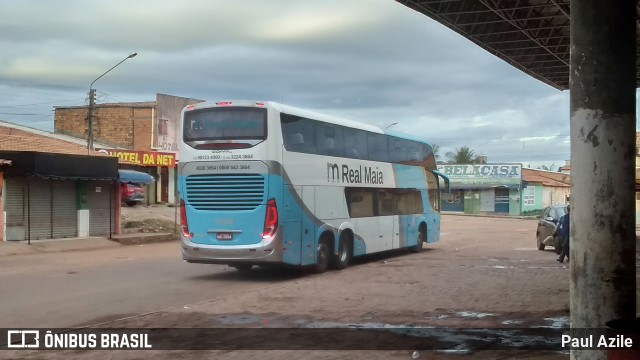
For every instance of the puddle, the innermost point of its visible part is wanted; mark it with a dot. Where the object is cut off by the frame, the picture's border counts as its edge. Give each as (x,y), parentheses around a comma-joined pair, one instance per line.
(512,322)
(558,322)
(468,314)
(460,341)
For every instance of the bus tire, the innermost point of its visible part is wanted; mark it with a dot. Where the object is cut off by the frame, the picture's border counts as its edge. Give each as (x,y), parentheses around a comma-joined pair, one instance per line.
(422,233)
(323,255)
(342,257)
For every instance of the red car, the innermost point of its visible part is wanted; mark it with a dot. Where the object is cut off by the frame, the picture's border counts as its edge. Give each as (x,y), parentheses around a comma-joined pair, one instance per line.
(132,194)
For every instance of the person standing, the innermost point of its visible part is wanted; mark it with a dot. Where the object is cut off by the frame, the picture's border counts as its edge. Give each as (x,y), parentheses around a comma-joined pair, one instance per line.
(562,232)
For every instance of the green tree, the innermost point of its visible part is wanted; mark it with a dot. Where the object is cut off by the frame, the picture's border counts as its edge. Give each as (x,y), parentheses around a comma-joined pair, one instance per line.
(463,155)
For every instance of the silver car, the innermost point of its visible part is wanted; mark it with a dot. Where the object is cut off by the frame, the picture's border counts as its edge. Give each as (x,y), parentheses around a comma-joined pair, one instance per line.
(547,223)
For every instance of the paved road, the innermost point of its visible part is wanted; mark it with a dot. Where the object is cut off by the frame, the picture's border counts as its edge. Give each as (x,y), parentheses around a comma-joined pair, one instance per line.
(484,273)
(92,286)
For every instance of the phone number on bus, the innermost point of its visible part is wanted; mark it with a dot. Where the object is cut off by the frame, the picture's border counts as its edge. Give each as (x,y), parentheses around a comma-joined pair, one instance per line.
(224,157)
(223,167)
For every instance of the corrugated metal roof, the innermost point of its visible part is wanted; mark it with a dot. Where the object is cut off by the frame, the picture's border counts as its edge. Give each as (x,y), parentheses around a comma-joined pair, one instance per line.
(13,139)
(546,178)
(531,35)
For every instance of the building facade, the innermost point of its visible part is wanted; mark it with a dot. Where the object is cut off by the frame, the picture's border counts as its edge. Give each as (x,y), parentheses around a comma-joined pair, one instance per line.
(143,135)
(483,188)
(54,188)
(543,188)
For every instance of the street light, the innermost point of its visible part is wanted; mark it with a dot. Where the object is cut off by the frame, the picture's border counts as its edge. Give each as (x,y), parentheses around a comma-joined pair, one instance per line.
(390,125)
(92,98)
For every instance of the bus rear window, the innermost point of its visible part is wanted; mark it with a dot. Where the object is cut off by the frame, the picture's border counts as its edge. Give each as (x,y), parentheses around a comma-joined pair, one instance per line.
(225,123)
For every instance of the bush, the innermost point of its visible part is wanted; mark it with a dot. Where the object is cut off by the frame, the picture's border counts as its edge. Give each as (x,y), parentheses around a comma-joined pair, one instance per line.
(537,212)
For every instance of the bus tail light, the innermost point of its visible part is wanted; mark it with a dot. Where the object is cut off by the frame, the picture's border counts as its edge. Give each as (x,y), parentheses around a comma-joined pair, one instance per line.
(183,221)
(270,220)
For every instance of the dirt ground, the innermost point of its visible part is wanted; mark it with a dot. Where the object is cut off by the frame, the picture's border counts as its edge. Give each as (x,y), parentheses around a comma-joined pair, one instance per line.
(150,219)
(485,273)
(159,211)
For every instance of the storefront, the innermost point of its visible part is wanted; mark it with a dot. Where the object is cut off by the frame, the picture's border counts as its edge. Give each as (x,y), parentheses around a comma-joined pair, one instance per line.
(160,165)
(486,188)
(47,196)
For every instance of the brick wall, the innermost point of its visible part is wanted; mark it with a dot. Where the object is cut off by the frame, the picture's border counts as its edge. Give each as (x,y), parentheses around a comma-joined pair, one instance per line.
(71,122)
(122,126)
(142,120)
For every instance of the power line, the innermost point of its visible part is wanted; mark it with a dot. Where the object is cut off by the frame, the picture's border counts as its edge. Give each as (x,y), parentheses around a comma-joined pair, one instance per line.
(33,114)
(43,103)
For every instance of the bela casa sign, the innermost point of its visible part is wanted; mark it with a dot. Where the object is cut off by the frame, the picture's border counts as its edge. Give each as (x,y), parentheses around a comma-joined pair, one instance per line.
(510,171)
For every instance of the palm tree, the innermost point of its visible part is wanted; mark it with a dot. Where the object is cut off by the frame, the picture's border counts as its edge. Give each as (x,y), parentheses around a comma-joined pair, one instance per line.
(463,155)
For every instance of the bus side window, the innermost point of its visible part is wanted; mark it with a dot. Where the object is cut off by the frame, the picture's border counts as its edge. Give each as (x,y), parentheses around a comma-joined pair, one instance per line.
(295,139)
(298,134)
(397,150)
(359,202)
(355,143)
(433,190)
(378,147)
(329,139)
(387,203)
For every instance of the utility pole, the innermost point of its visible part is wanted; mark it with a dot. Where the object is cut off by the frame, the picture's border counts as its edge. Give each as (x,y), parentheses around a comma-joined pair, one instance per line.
(92,101)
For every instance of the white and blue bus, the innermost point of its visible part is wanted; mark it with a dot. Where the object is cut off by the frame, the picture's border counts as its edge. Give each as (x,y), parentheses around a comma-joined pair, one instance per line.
(261,183)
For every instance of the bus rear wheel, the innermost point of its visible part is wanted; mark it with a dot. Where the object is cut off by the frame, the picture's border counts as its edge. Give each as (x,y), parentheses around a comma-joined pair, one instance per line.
(322,257)
(343,257)
(422,233)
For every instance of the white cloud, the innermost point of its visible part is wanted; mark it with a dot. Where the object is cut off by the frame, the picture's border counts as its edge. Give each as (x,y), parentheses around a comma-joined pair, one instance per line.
(378,62)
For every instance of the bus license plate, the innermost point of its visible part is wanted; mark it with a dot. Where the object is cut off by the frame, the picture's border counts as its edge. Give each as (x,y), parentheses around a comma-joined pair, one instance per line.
(224,236)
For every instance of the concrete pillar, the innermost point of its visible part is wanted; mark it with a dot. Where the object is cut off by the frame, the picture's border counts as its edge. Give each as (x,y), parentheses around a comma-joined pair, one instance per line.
(83,208)
(172,186)
(603,90)
(117,210)
(3,216)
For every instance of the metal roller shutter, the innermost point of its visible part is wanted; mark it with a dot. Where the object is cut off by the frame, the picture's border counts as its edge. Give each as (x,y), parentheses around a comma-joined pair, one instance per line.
(65,214)
(15,206)
(39,211)
(100,203)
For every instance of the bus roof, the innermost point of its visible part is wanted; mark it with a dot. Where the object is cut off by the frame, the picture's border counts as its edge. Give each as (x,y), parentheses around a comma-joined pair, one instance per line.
(328,118)
(310,115)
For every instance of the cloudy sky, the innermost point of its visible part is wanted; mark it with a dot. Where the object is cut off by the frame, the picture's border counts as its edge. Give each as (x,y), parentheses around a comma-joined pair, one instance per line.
(374,61)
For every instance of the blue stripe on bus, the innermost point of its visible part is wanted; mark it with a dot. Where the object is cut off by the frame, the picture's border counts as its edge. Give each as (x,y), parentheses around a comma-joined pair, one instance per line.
(300,228)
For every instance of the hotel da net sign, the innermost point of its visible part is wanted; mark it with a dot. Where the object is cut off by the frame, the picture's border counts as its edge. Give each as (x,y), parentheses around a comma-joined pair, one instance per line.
(142,158)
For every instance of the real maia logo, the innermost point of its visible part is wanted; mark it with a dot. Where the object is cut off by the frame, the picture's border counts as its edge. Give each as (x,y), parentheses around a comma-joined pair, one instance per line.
(359,175)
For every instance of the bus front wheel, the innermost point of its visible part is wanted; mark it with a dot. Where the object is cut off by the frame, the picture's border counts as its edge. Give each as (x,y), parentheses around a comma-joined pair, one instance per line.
(422,233)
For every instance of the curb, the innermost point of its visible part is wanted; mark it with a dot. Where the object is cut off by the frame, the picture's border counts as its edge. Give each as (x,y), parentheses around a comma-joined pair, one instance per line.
(14,248)
(521,217)
(138,238)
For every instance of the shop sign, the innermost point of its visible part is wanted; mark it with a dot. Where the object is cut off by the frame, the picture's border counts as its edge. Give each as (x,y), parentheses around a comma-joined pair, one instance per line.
(484,174)
(142,158)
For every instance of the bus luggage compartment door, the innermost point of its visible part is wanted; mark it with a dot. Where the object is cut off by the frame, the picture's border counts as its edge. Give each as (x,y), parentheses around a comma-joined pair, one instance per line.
(291,224)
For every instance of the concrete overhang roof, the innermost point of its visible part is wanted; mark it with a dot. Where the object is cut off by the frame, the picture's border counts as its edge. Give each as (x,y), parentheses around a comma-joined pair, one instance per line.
(531,35)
